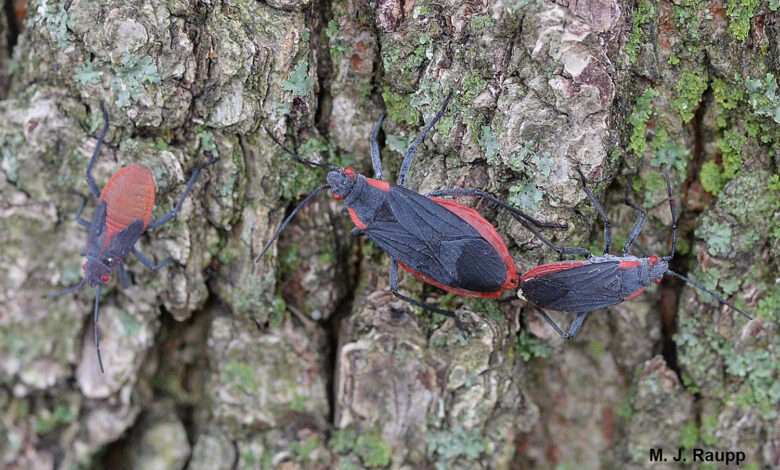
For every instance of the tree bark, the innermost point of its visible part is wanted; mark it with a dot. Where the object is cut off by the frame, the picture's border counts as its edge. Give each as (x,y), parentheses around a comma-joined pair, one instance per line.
(304,359)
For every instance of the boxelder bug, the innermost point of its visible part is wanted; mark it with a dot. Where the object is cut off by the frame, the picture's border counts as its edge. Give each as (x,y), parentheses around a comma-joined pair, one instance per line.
(123,213)
(582,286)
(446,244)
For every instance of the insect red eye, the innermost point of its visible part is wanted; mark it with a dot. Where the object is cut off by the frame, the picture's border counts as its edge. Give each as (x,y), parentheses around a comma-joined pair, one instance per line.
(349,172)
(106,278)
(337,197)
(653,260)
(84,266)
(658,281)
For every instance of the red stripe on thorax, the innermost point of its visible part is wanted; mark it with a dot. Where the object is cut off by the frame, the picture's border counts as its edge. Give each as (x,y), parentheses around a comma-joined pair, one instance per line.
(550,268)
(489,233)
(355,219)
(454,290)
(635,294)
(628,264)
(384,186)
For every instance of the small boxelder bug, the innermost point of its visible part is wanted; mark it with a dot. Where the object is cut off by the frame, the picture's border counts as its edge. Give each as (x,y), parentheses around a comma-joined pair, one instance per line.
(581,286)
(123,213)
(446,244)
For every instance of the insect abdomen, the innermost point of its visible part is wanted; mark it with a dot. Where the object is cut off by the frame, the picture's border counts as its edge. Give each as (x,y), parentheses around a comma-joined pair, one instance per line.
(129,196)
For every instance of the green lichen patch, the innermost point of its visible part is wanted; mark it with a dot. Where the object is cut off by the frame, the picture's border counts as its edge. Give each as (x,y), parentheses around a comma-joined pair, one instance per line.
(342,440)
(525,194)
(768,307)
(726,94)
(488,142)
(762,96)
(206,143)
(668,154)
(711,177)
(459,443)
(716,234)
(689,91)
(740,12)
(642,111)
(473,85)
(399,143)
(399,109)
(644,13)
(130,78)
(690,435)
(373,451)
(529,347)
(479,22)
(239,375)
(87,74)
(298,82)
(337,47)
(63,413)
(56,20)
(731,144)
(302,451)
(759,369)
(700,353)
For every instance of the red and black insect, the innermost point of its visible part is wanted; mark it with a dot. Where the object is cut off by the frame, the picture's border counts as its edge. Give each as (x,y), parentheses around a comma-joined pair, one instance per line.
(122,215)
(581,286)
(446,244)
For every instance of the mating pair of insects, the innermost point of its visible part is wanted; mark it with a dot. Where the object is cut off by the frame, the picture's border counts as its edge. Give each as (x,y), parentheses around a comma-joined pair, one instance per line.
(451,246)
(442,242)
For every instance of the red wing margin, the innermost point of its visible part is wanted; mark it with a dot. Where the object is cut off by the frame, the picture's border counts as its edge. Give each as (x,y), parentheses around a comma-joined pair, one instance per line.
(410,228)
(589,286)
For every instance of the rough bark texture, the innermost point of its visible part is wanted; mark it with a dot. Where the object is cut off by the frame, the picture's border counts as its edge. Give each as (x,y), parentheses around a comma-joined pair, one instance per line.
(305,360)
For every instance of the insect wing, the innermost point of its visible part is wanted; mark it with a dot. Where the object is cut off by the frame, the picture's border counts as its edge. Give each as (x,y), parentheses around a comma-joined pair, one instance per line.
(433,241)
(97,230)
(122,242)
(584,288)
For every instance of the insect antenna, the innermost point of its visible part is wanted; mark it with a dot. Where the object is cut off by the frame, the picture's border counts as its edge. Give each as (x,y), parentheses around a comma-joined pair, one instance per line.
(289,217)
(298,157)
(674,216)
(97,336)
(696,284)
(68,290)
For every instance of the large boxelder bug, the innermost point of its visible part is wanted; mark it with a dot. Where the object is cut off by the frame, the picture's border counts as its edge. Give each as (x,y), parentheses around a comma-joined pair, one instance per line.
(581,286)
(446,244)
(122,215)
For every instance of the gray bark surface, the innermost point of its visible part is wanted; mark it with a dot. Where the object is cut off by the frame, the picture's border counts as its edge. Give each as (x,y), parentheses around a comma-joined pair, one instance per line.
(305,359)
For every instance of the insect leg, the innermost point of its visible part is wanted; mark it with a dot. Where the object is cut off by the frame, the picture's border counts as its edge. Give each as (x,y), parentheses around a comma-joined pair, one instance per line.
(172,214)
(632,236)
(409,157)
(90,180)
(674,215)
(148,263)
(394,289)
(573,329)
(289,218)
(607,223)
(68,290)
(490,197)
(298,157)
(123,277)
(375,159)
(519,215)
(79,219)
(97,331)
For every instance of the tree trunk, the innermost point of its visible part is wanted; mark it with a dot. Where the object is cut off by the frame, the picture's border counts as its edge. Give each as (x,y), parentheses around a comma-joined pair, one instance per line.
(304,359)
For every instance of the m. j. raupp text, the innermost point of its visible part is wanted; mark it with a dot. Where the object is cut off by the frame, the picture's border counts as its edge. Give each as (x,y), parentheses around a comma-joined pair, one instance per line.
(727,457)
